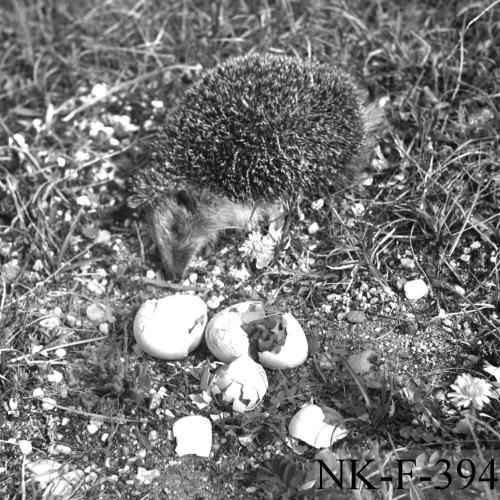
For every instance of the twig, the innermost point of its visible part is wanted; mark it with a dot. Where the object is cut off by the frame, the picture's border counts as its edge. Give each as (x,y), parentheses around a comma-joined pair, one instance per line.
(167,284)
(118,420)
(61,346)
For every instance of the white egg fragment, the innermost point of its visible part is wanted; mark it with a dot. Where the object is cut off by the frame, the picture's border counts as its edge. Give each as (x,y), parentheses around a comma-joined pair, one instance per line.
(277,339)
(309,425)
(243,383)
(194,435)
(170,327)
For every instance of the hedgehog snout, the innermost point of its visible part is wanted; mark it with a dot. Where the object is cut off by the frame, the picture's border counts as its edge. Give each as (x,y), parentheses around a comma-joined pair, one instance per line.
(175,264)
(171,227)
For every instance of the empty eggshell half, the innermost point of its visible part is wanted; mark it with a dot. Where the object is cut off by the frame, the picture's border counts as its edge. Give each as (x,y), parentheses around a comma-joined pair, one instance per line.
(243,383)
(170,327)
(309,425)
(194,435)
(230,334)
(293,352)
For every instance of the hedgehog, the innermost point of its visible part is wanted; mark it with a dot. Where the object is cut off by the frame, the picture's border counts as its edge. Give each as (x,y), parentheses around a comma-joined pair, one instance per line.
(253,132)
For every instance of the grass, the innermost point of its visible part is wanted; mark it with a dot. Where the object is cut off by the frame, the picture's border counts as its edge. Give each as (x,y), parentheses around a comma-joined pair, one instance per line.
(77,85)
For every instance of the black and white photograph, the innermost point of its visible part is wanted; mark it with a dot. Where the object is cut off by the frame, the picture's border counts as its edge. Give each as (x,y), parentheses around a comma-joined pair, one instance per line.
(249,249)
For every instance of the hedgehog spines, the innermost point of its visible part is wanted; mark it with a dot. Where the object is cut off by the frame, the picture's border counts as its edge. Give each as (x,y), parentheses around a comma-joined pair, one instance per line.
(264,126)
(252,131)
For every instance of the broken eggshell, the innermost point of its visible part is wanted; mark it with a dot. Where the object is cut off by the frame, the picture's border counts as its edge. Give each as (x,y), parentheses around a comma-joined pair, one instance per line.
(243,383)
(224,336)
(194,435)
(293,352)
(311,425)
(227,338)
(170,327)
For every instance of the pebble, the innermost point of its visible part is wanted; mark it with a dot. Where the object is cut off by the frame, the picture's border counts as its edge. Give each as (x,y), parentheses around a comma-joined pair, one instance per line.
(407,263)
(213,302)
(62,449)
(55,377)
(92,429)
(313,228)
(25,446)
(38,393)
(356,317)
(71,320)
(48,404)
(415,289)
(103,236)
(99,313)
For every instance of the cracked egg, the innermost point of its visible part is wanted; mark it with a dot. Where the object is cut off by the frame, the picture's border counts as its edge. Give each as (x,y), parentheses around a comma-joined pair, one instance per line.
(276,340)
(170,327)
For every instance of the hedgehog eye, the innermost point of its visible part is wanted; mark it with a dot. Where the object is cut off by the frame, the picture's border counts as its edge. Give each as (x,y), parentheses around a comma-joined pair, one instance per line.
(185,199)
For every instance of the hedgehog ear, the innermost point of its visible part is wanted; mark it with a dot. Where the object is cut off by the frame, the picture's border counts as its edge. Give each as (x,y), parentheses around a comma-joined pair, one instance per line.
(186,200)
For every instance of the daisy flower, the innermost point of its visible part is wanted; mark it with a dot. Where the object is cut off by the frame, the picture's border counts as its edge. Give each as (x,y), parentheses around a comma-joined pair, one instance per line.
(258,247)
(470,391)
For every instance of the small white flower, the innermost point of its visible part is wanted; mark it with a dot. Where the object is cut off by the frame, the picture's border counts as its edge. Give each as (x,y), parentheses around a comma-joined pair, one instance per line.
(96,126)
(470,391)
(358,209)
(60,353)
(125,123)
(37,124)
(38,265)
(318,204)
(240,274)
(83,201)
(82,156)
(258,247)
